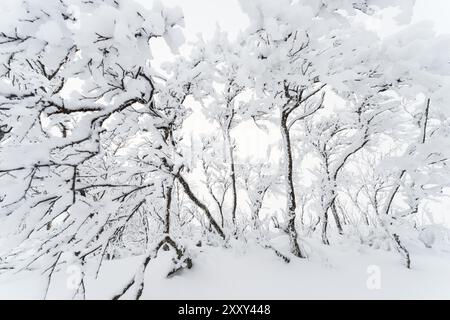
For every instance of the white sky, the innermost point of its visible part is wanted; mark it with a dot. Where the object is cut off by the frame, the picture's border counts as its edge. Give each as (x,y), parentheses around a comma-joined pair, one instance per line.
(436,11)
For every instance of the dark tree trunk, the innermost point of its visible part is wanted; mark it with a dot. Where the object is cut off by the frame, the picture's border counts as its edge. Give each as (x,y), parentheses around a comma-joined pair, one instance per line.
(168,196)
(324,229)
(336,216)
(290,192)
(403,251)
(233,178)
(200,204)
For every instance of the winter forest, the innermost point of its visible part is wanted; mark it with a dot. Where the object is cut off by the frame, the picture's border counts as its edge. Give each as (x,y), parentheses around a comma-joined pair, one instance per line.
(306,157)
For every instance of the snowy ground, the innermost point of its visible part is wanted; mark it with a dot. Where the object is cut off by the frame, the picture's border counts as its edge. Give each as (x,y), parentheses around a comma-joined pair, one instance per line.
(337,272)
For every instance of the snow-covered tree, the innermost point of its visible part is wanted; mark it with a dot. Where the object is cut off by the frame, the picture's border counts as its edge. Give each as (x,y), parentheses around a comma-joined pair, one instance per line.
(75,80)
(296,51)
(95,164)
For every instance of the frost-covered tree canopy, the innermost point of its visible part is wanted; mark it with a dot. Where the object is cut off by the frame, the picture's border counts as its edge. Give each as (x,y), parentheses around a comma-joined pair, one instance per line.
(99,160)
